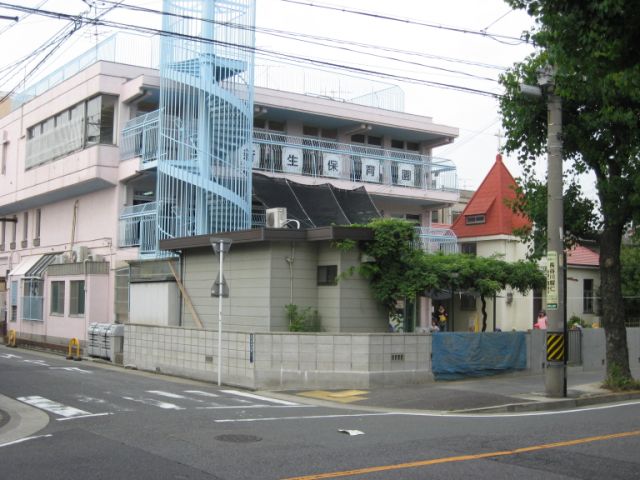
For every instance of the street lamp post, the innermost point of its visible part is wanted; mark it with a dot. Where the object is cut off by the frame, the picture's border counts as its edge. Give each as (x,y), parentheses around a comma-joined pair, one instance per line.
(220,289)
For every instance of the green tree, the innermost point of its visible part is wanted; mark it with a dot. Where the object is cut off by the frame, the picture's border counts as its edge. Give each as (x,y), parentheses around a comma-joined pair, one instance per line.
(402,270)
(592,45)
(630,273)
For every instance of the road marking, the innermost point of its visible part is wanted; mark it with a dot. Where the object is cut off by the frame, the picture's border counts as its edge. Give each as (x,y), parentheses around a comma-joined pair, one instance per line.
(201,393)
(464,458)
(53,407)
(344,396)
(25,439)
(40,363)
(301,417)
(258,397)
(9,355)
(170,395)
(155,403)
(520,414)
(255,405)
(71,369)
(85,416)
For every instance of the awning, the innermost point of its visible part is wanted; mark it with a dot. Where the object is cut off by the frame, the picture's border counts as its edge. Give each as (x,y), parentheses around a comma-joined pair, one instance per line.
(33,266)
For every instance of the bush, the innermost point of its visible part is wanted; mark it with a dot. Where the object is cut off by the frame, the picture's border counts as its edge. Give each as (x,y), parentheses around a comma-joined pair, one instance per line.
(302,320)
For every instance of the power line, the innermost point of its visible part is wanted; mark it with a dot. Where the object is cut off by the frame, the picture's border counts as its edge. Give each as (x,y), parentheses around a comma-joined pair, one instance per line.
(141,29)
(516,40)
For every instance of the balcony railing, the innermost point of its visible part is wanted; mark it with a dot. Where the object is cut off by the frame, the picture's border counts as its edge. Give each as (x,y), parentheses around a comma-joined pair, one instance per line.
(138,227)
(275,152)
(140,138)
(433,240)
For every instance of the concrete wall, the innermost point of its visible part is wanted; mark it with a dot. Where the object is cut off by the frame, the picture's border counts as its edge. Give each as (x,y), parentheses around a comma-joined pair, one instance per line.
(317,360)
(281,360)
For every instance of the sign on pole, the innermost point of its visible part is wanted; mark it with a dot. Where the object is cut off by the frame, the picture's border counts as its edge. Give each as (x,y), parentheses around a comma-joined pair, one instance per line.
(552,280)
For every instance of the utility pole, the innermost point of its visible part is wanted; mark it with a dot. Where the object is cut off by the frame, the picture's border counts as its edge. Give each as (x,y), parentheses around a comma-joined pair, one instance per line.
(556,372)
(555,340)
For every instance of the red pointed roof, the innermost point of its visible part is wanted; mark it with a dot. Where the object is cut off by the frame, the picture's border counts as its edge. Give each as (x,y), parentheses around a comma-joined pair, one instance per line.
(489,200)
(582,256)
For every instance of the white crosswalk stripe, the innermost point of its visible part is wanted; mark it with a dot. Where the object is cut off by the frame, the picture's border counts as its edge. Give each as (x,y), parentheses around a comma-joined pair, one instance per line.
(187,399)
(53,407)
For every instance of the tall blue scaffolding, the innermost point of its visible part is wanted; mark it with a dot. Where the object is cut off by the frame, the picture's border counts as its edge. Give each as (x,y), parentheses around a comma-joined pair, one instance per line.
(206,117)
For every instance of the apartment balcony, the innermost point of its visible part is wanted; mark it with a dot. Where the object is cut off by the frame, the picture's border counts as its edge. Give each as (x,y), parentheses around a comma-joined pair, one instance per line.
(288,155)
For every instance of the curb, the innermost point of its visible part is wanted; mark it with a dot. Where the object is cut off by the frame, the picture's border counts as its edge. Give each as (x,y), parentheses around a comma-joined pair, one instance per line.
(555,404)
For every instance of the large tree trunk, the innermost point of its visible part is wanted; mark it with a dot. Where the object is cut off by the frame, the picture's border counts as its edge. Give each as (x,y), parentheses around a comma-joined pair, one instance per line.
(613,319)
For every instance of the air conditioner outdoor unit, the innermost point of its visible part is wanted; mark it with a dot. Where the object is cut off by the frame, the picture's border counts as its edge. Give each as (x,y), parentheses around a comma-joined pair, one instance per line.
(80,253)
(94,257)
(276,217)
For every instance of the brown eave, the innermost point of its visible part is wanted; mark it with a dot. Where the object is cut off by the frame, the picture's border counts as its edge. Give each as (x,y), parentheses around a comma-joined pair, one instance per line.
(257,235)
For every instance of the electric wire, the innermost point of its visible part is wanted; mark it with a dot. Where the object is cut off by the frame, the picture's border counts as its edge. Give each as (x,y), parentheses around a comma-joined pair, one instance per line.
(154,31)
(365,13)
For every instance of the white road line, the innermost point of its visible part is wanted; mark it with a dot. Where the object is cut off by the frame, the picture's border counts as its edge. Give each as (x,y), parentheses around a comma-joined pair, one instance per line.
(155,403)
(167,394)
(203,394)
(85,416)
(53,407)
(302,417)
(24,440)
(258,397)
(246,407)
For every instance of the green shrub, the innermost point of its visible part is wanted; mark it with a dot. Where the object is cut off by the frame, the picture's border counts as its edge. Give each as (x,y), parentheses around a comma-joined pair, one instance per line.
(302,320)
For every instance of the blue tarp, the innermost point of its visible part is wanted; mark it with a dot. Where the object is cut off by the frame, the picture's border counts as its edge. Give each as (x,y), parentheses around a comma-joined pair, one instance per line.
(460,355)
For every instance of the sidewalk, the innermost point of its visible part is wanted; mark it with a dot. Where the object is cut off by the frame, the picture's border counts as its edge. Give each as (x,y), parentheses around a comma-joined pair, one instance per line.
(502,393)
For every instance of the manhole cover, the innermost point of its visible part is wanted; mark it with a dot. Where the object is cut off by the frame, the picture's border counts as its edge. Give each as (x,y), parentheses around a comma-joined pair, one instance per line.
(235,438)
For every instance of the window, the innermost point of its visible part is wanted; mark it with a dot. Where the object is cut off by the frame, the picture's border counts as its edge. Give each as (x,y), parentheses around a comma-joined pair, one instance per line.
(36,236)
(32,299)
(434,216)
(76,297)
(467,302)
(14,301)
(327,275)
(57,297)
(87,123)
(100,120)
(474,219)
(412,217)
(402,145)
(14,233)
(25,229)
(369,139)
(5,153)
(3,234)
(587,295)
(470,248)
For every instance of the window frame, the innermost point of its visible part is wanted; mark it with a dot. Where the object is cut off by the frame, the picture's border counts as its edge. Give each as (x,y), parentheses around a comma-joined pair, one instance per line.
(77,299)
(57,292)
(327,275)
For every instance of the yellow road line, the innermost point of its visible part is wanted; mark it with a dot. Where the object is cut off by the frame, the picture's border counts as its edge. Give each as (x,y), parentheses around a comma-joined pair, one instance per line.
(464,458)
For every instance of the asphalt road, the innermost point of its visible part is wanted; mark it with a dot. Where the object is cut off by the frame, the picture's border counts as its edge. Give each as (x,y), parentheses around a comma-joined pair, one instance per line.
(110,423)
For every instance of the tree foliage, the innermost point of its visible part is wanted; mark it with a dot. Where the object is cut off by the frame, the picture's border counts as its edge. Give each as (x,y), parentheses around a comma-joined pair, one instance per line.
(592,46)
(402,270)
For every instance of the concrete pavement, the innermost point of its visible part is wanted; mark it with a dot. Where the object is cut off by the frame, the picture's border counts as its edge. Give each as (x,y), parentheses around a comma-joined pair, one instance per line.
(514,392)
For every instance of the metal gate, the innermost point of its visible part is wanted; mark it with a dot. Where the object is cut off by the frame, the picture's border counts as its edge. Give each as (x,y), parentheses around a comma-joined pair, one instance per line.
(574,347)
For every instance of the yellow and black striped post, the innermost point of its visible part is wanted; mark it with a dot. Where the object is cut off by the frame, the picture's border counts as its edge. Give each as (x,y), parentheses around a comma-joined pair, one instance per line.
(556,350)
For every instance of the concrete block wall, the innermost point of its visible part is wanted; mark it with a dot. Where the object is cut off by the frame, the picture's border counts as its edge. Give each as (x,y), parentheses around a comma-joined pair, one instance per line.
(321,360)
(318,360)
(187,352)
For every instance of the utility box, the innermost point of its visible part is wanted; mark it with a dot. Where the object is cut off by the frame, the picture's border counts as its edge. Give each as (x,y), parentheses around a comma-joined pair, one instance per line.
(105,340)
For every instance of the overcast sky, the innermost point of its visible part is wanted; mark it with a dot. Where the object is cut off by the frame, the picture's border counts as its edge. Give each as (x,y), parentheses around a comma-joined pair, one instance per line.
(468,55)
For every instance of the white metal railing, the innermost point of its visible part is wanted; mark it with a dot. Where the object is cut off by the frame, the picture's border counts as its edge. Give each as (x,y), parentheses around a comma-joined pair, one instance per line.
(140,138)
(433,240)
(277,152)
